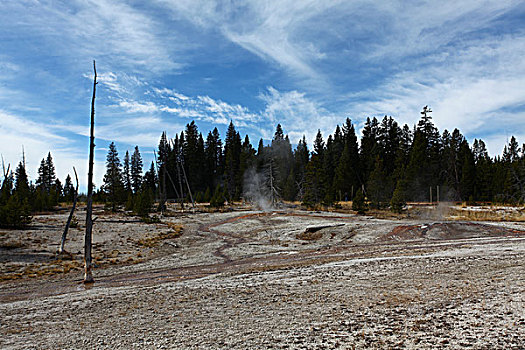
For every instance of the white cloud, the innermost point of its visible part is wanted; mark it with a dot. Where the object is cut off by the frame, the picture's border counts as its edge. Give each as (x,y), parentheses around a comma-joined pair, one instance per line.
(420,28)
(200,108)
(297,114)
(469,90)
(274,31)
(37,140)
(113,31)
(139,107)
(173,95)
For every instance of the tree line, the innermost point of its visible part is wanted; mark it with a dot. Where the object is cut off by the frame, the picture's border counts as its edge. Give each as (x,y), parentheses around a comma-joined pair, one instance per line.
(388,166)
(19,197)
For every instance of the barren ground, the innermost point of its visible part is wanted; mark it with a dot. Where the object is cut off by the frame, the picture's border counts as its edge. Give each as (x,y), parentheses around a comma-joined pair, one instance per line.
(247,279)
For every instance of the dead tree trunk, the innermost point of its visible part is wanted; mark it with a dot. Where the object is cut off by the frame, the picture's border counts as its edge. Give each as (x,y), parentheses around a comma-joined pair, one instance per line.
(88,275)
(162,184)
(64,235)
(179,165)
(6,173)
(188,186)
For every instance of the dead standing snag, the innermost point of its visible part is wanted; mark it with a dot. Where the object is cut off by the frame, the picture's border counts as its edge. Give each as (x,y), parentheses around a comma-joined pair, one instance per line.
(88,276)
(64,235)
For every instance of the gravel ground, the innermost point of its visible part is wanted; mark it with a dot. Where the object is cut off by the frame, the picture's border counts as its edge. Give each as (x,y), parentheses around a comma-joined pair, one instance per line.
(245,281)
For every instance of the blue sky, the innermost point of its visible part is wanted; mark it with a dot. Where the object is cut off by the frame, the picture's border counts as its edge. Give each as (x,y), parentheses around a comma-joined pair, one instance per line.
(305,64)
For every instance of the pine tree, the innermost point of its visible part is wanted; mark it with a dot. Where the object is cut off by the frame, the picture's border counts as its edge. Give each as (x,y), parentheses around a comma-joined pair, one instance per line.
(369,147)
(46,196)
(69,189)
(150,180)
(424,165)
(247,157)
(14,210)
(232,154)
(193,155)
(348,168)
(42,176)
(484,171)
(57,192)
(213,155)
(319,145)
(46,174)
(359,204)
(379,185)
(514,170)
(314,186)
(329,171)
(22,183)
(207,195)
(113,183)
(126,174)
(136,170)
(452,162)
(281,155)
(389,138)
(398,201)
(511,151)
(468,172)
(51,177)
(162,163)
(217,200)
(301,158)
(143,203)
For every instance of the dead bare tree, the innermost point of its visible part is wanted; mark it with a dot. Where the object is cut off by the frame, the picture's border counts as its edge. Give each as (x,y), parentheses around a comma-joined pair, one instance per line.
(162,185)
(88,275)
(169,177)
(64,234)
(3,168)
(272,187)
(188,186)
(6,173)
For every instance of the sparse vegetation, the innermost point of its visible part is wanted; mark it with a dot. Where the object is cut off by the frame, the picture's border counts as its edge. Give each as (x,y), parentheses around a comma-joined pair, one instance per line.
(152,241)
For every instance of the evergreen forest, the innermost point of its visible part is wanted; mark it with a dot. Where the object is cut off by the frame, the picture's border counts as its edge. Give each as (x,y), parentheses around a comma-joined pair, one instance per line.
(384,167)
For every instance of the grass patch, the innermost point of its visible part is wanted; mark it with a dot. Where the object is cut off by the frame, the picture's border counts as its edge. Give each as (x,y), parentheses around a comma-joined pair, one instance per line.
(488,214)
(8,245)
(153,241)
(309,236)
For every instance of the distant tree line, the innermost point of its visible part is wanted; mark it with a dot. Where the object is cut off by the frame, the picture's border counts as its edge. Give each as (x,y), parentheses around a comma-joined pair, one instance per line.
(19,197)
(391,165)
(125,184)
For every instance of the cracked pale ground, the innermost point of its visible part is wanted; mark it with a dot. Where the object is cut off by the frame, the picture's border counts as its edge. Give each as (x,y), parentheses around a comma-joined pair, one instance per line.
(244,280)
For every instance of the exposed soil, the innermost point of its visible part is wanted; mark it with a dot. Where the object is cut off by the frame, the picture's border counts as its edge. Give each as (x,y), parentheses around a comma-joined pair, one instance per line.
(250,279)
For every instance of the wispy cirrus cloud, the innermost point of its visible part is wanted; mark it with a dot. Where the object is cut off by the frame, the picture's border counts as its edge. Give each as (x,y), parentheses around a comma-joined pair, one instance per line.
(20,135)
(307,65)
(274,31)
(470,90)
(298,114)
(109,30)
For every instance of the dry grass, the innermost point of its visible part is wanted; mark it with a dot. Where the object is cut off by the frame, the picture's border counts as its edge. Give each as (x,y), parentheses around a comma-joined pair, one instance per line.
(37,270)
(490,214)
(154,240)
(11,244)
(309,236)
